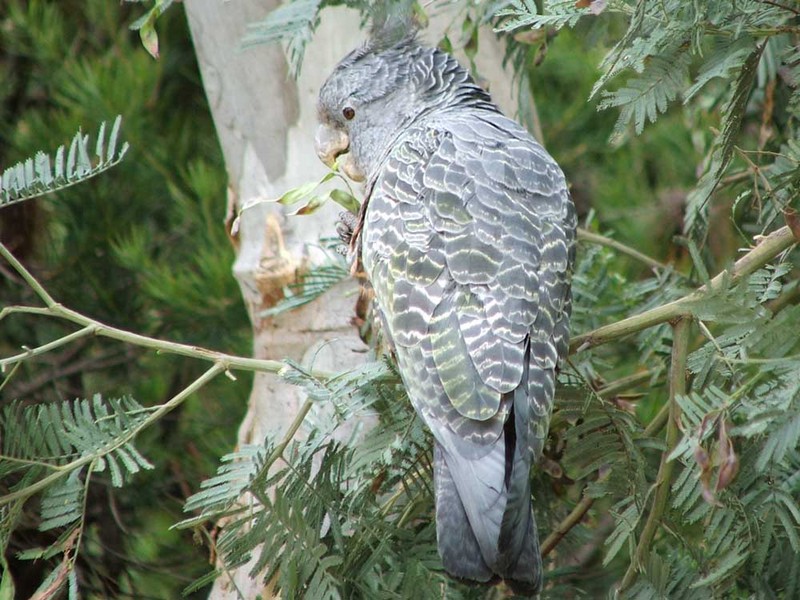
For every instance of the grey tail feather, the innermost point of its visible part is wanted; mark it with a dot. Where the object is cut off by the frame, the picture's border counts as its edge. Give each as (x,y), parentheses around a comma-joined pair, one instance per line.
(459,546)
(519,554)
(525,579)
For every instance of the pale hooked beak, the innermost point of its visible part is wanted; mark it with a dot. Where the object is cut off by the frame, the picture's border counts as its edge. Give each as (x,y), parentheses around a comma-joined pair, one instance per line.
(330,144)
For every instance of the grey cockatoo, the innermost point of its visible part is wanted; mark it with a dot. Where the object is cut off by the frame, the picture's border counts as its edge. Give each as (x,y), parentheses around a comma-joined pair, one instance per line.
(467,236)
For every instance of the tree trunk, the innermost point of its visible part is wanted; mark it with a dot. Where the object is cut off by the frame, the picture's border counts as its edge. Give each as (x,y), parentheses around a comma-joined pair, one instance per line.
(266,122)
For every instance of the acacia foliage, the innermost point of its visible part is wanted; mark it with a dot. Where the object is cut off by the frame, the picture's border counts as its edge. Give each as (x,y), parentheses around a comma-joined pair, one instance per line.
(325,517)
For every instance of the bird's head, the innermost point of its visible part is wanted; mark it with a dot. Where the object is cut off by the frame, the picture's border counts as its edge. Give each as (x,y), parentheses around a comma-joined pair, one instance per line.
(364,104)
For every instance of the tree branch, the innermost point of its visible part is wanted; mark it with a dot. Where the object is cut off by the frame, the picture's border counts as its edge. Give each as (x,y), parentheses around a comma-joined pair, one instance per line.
(677,387)
(572,519)
(54,309)
(601,240)
(766,250)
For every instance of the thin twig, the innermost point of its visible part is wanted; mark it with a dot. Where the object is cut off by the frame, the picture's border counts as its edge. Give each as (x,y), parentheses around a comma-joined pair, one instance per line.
(9,376)
(677,387)
(658,422)
(779,5)
(613,388)
(290,433)
(767,249)
(30,353)
(572,519)
(24,310)
(28,277)
(601,240)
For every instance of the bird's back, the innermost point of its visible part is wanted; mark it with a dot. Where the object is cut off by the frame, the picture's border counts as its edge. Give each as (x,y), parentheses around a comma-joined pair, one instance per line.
(468,241)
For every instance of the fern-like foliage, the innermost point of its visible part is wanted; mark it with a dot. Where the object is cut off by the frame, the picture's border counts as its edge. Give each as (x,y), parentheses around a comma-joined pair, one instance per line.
(43,174)
(364,524)
(735,499)
(645,96)
(55,448)
(674,50)
(312,285)
(294,23)
(734,112)
(525,13)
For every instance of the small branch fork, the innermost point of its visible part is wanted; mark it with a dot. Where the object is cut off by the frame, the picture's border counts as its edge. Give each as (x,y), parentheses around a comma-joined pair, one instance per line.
(91,327)
(222,363)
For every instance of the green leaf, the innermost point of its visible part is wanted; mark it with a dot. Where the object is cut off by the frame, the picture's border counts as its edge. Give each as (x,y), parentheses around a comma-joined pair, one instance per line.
(292,23)
(7,590)
(62,503)
(146,26)
(40,175)
(733,115)
(726,60)
(149,37)
(295,195)
(312,206)
(723,567)
(346,200)
(645,96)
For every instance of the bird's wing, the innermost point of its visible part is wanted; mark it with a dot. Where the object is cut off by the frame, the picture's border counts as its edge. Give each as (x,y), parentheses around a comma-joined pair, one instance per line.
(468,242)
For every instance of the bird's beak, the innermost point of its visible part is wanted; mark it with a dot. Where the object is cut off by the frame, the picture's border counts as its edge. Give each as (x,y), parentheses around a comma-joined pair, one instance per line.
(330,143)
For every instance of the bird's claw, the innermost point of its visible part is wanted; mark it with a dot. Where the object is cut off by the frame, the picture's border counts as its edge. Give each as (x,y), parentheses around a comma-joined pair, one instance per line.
(344,229)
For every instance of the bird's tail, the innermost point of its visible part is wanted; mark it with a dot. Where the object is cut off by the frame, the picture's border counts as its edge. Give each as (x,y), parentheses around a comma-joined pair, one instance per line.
(485,527)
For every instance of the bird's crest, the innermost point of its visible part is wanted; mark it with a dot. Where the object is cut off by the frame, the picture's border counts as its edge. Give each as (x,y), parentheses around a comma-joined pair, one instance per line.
(391,24)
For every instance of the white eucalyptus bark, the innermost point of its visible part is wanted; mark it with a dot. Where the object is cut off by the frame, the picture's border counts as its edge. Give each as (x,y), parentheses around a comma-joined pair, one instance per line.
(265,122)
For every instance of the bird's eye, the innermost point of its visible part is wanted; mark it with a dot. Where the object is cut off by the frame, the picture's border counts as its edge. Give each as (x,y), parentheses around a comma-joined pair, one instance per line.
(348,112)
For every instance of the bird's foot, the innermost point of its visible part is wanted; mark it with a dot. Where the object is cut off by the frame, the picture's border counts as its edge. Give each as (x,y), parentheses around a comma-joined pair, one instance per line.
(344,228)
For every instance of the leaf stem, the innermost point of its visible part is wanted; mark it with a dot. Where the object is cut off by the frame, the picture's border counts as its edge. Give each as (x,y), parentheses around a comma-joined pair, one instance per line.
(677,387)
